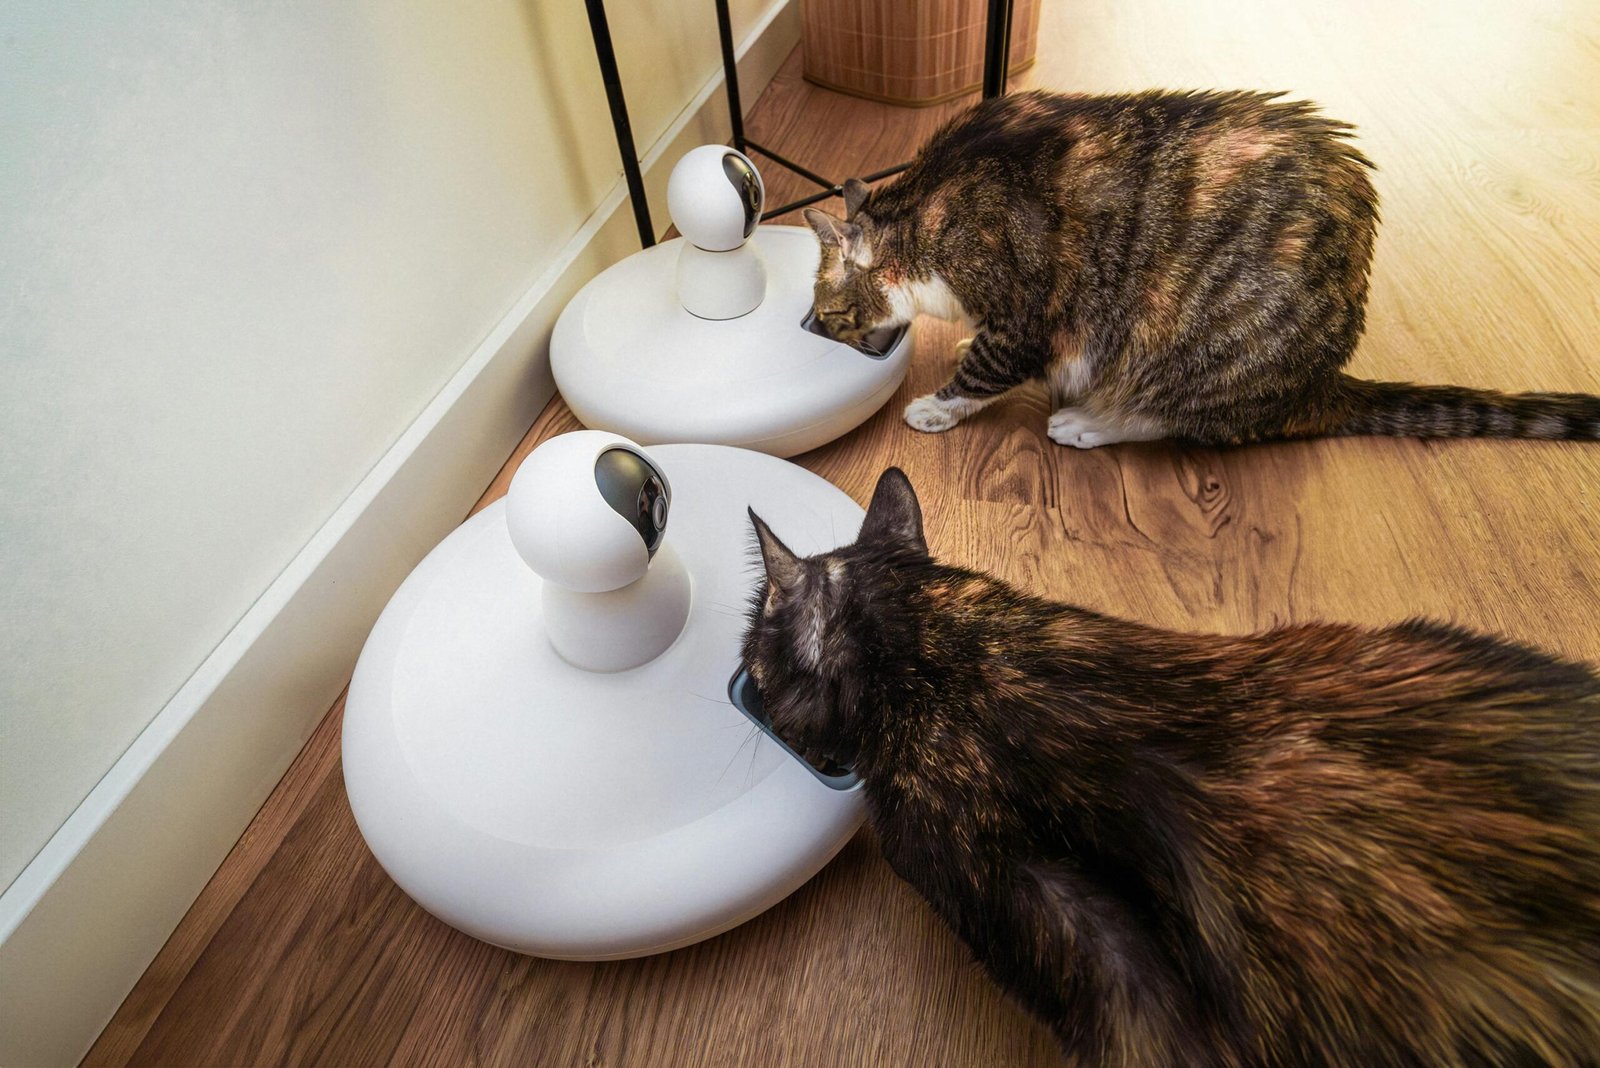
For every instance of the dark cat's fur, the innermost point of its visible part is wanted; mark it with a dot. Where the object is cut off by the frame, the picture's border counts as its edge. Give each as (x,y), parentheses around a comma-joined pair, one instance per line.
(1176,265)
(1320,845)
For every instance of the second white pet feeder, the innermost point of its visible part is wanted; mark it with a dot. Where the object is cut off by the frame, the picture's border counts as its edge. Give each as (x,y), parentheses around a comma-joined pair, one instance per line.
(548,743)
(708,337)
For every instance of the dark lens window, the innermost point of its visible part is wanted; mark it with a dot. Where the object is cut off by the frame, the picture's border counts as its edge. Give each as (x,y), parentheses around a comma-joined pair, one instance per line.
(746,183)
(632,487)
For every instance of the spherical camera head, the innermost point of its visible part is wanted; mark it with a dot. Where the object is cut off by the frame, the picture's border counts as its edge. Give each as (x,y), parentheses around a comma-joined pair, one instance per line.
(715,196)
(588,511)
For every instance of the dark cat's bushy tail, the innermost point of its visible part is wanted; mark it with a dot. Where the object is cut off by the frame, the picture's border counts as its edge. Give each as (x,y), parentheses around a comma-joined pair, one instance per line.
(1403,409)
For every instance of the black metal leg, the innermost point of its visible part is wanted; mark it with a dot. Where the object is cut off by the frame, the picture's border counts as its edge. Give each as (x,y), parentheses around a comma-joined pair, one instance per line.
(997,48)
(730,74)
(808,175)
(996,65)
(607,57)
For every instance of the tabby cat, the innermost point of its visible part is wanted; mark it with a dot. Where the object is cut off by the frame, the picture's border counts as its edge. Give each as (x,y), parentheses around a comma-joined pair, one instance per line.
(1176,265)
(1320,845)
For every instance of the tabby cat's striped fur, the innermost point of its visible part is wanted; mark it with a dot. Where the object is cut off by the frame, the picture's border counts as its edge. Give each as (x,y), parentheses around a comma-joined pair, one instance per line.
(1185,265)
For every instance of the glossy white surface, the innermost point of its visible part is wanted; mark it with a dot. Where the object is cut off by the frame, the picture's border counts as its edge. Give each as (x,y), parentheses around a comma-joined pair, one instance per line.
(572,814)
(720,285)
(620,629)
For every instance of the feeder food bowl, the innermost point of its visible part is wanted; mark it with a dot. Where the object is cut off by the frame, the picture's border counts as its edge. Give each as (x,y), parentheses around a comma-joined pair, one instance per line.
(710,338)
(548,742)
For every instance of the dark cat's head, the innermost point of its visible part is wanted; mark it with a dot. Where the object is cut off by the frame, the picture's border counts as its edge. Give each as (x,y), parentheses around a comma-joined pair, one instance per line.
(825,629)
(851,298)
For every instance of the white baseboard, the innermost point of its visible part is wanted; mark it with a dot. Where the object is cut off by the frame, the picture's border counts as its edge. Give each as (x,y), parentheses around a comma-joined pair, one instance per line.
(82,922)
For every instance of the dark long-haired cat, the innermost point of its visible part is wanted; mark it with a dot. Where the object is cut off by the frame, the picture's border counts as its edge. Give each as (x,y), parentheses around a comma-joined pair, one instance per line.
(1321,845)
(1183,265)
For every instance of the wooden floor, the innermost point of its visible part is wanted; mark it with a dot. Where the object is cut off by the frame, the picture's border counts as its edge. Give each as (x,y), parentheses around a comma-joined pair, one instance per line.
(1485,120)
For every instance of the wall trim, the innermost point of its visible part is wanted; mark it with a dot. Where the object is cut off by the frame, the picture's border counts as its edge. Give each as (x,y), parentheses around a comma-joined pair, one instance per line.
(84,919)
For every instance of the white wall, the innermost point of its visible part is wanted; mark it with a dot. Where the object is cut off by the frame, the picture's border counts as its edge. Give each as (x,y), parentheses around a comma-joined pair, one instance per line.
(275,281)
(241,246)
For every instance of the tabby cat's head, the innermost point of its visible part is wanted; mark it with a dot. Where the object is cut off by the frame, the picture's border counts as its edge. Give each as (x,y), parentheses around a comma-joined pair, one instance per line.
(824,629)
(850,298)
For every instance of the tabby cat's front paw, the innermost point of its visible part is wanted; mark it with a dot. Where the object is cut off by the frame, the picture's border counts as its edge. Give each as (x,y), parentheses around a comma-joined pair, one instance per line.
(1076,427)
(1069,426)
(930,415)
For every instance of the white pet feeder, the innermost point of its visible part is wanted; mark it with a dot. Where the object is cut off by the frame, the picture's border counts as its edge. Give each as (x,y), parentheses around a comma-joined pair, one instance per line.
(539,741)
(709,338)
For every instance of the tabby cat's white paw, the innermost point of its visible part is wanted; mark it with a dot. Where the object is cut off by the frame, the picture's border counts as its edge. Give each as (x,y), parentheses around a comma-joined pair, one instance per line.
(930,415)
(1076,427)
(1072,427)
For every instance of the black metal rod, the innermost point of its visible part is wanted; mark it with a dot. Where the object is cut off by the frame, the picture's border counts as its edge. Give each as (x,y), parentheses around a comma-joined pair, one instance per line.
(878,176)
(730,75)
(835,191)
(997,48)
(996,63)
(607,57)
(801,171)
(803,202)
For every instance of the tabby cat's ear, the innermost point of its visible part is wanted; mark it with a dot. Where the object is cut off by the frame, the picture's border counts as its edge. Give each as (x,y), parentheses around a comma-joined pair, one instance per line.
(894,516)
(783,567)
(832,232)
(855,194)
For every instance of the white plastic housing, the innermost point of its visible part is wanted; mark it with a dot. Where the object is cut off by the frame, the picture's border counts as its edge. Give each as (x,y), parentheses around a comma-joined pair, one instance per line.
(629,358)
(574,814)
(561,525)
(721,285)
(620,629)
(707,207)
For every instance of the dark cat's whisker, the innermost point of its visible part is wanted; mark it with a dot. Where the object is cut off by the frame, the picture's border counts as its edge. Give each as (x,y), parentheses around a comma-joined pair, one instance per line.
(755,751)
(738,610)
(753,736)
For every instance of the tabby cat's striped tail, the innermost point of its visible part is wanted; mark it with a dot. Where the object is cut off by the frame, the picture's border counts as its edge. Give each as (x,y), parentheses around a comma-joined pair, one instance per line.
(1402,409)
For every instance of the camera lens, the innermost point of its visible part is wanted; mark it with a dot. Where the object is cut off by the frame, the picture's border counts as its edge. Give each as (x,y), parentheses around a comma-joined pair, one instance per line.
(633,488)
(747,184)
(652,511)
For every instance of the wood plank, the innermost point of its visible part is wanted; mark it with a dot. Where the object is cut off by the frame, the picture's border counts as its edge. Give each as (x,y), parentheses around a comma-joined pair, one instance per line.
(1487,128)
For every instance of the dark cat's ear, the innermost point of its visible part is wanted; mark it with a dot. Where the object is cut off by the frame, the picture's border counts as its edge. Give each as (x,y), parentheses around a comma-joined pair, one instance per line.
(783,567)
(894,516)
(855,194)
(831,231)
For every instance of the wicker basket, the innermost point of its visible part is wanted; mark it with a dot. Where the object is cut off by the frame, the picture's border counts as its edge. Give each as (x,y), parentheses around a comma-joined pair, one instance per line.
(915,52)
